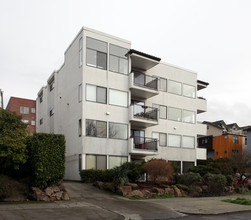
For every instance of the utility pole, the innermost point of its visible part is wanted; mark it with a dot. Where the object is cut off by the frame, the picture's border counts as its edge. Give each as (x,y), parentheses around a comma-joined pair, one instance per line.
(1,94)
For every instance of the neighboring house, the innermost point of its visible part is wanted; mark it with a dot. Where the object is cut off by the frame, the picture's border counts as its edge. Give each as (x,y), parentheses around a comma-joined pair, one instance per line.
(26,108)
(247,132)
(223,140)
(115,104)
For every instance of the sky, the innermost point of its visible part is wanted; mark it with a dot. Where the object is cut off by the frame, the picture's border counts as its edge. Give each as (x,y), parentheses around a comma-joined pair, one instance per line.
(210,37)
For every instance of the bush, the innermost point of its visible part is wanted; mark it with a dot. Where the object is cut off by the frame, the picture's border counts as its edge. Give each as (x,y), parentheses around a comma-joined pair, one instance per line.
(158,170)
(46,158)
(204,169)
(134,170)
(189,178)
(225,165)
(91,176)
(230,180)
(216,183)
(5,188)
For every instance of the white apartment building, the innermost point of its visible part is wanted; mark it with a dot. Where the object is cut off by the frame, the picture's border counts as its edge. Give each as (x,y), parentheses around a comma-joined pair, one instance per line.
(116,104)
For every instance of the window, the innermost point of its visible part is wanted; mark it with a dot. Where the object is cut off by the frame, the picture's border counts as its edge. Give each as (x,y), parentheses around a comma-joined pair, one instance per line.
(174,87)
(52,86)
(41,98)
(33,110)
(96,53)
(235,139)
(118,59)
(117,131)
(188,142)
(161,137)
(118,98)
(174,114)
(187,165)
(96,162)
(188,116)
(96,94)
(235,152)
(24,110)
(80,162)
(80,52)
(80,93)
(52,112)
(33,123)
(174,140)
(96,128)
(189,91)
(25,121)
(80,127)
(162,110)
(115,161)
(163,84)
(41,121)
(225,152)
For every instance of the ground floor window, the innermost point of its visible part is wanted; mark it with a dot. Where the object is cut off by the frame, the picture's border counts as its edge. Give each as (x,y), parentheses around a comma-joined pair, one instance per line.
(115,161)
(96,162)
(187,165)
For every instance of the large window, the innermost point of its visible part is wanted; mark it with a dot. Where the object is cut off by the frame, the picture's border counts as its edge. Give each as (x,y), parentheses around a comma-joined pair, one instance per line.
(189,91)
(163,84)
(174,114)
(118,59)
(161,137)
(188,116)
(188,142)
(96,53)
(96,162)
(24,110)
(117,130)
(80,93)
(174,140)
(174,87)
(96,128)
(96,94)
(80,51)
(162,110)
(115,161)
(235,139)
(80,127)
(187,165)
(52,85)
(117,97)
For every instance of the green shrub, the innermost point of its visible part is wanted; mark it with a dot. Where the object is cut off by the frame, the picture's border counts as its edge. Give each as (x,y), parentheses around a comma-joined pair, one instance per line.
(91,176)
(204,169)
(230,180)
(225,165)
(134,170)
(119,175)
(5,188)
(46,158)
(189,178)
(216,183)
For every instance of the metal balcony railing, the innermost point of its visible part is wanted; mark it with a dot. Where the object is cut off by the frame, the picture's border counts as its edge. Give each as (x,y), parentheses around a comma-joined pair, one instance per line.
(147,81)
(145,112)
(144,143)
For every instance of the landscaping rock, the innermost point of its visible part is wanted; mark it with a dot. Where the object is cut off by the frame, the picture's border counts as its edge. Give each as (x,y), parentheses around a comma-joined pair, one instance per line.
(55,189)
(133,185)
(169,190)
(136,193)
(99,184)
(65,196)
(109,186)
(125,190)
(159,191)
(58,195)
(177,192)
(62,187)
(147,194)
(49,191)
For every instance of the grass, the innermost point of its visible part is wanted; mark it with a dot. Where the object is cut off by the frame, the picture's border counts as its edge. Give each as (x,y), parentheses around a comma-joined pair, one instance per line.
(25,202)
(240,201)
(165,196)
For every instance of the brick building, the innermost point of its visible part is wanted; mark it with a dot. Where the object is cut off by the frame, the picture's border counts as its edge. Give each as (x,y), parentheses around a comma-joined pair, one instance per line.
(26,108)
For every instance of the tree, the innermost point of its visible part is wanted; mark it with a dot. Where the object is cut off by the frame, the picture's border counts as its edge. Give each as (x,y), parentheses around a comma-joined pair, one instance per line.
(13,133)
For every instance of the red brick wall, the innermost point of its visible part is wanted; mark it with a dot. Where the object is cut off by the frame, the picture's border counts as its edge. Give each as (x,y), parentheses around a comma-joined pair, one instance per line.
(15,104)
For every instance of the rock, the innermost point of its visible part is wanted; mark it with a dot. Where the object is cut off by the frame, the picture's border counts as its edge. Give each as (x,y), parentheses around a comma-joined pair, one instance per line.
(55,189)
(65,196)
(62,187)
(43,197)
(125,190)
(147,194)
(136,193)
(99,184)
(37,194)
(133,185)
(159,191)
(59,195)
(53,198)
(169,190)
(49,191)
(177,192)
(109,186)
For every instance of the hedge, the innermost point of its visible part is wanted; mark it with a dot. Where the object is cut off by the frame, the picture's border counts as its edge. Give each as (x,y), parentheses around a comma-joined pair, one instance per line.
(46,158)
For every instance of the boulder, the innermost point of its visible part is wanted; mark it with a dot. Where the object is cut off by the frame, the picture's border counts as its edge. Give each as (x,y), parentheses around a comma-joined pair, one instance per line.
(125,190)
(177,192)
(55,189)
(136,193)
(62,187)
(158,191)
(133,185)
(169,190)
(147,194)
(65,196)
(58,195)
(49,191)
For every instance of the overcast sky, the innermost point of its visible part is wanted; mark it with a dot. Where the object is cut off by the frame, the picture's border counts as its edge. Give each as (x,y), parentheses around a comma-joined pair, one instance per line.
(210,37)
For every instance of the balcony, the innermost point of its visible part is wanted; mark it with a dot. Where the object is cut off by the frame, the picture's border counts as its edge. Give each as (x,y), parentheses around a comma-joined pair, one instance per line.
(201,153)
(143,146)
(143,86)
(201,105)
(142,116)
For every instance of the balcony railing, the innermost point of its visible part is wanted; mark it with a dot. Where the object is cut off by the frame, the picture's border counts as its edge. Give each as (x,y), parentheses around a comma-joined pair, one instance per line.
(145,112)
(144,143)
(147,81)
